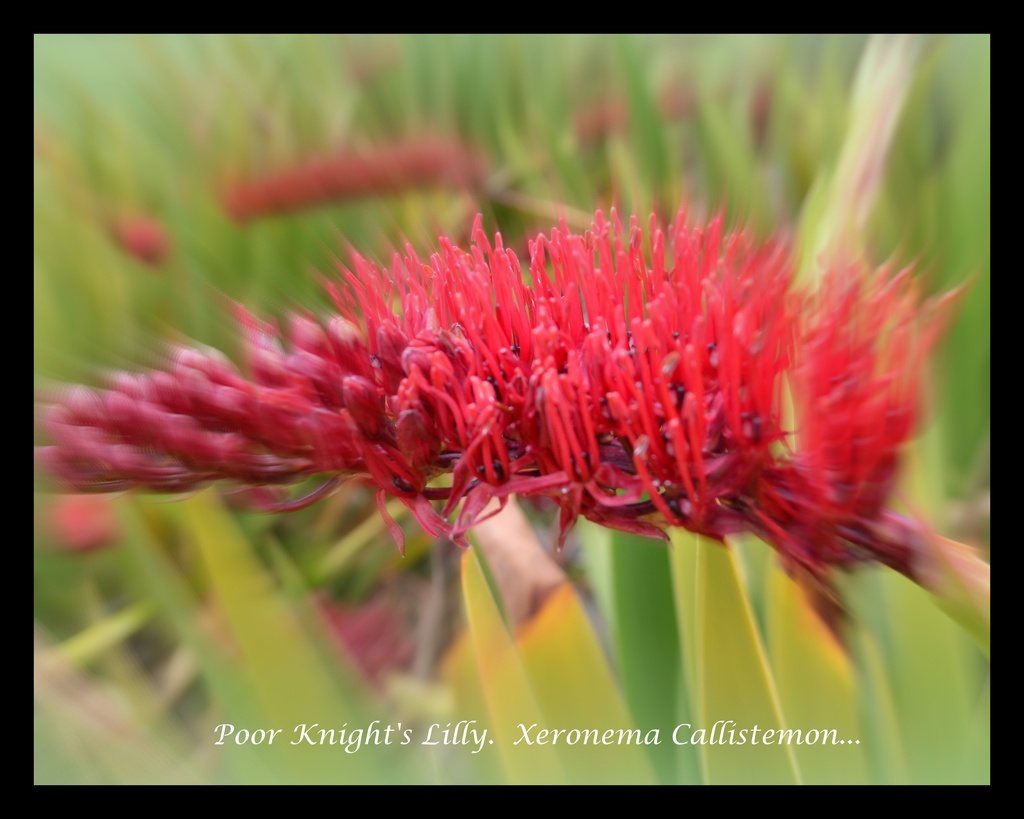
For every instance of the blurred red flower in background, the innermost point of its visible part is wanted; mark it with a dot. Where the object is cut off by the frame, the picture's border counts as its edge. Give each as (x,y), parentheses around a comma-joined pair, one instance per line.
(83,523)
(391,168)
(143,238)
(373,634)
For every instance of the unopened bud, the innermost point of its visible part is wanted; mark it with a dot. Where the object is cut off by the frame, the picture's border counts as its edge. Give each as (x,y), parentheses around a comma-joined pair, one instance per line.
(363,402)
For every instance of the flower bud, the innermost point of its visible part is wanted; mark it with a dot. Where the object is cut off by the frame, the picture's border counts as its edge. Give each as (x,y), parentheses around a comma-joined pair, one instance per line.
(363,402)
(349,347)
(417,440)
(391,343)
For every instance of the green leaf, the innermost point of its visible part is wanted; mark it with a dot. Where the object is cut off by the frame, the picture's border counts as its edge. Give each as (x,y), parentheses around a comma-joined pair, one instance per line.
(817,684)
(87,734)
(506,688)
(836,230)
(637,587)
(459,670)
(977,750)
(729,164)
(281,662)
(936,674)
(645,126)
(683,562)
(573,684)
(93,641)
(735,689)
(883,739)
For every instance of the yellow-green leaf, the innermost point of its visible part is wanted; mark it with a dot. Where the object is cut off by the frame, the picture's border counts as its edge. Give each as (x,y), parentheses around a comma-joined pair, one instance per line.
(459,671)
(292,683)
(883,739)
(506,687)
(937,675)
(816,683)
(744,737)
(574,686)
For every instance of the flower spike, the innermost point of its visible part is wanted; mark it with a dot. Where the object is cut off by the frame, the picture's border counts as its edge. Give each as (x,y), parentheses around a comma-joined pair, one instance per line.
(641,390)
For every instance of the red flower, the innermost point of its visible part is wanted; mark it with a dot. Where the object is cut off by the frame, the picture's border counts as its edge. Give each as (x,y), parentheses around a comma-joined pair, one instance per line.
(388,169)
(83,523)
(373,634)
(856,380)
(675,103)
(640,394)
(143,238)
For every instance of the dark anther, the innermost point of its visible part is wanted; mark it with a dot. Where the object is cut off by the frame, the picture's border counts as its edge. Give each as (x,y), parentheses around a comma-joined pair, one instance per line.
(586,459)
(499,472)
(680,392)
(673,505)
(754,420)
(515,349)
(401,485)
(675,335)
(491,380)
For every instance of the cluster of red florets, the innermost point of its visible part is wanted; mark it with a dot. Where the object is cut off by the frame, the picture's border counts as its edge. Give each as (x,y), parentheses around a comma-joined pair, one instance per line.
(639,394)
(390,168)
